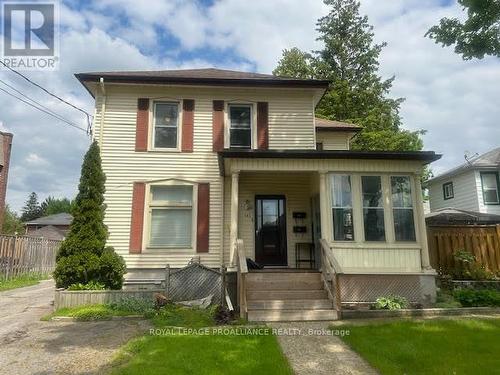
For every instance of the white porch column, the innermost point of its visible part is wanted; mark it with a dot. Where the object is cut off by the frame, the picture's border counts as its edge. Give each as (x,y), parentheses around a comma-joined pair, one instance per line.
(323,209)
(234,216)
(424,253)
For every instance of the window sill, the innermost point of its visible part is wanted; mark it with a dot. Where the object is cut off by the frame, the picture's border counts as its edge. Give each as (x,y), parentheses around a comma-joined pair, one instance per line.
(164,150)
(163,249)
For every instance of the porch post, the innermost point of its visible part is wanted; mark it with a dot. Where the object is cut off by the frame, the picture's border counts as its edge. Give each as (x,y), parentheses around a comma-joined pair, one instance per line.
(323,209)
(234,216)
(424,253)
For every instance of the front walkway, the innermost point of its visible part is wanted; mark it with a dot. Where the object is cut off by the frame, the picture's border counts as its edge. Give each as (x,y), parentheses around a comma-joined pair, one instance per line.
(310,350)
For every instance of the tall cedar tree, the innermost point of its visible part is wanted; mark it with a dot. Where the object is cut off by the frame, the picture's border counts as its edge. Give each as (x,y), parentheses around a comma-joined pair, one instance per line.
(83,256)
(477,36)
(357,94)
(31,209)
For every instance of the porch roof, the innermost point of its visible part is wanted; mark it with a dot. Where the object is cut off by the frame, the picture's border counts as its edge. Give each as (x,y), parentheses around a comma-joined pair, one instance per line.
(425,157)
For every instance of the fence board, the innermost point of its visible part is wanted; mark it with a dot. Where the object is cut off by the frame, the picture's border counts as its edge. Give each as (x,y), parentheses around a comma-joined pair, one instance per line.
(21,255)
(481,240)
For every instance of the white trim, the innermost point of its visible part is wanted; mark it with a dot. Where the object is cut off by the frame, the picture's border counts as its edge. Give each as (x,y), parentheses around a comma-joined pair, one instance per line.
(151,120)
(253,122)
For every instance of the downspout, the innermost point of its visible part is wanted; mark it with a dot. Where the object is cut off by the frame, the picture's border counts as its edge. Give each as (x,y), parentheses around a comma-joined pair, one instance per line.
(103,111)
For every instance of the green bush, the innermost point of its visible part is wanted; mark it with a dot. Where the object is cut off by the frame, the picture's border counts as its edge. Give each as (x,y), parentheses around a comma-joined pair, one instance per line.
(469,268)
(391,303)
(477,298)
(92,285)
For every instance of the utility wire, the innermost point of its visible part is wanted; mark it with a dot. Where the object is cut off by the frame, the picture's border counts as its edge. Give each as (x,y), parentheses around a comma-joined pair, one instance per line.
(45,111)
(35,102)
(45,90)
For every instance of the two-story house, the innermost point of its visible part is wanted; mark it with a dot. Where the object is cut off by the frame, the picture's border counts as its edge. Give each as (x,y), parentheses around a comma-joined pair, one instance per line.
(218,164)
(472,186)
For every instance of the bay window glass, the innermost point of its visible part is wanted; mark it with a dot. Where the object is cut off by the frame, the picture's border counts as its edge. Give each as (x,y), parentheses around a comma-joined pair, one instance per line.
(171,210)
(373,208)
(240,126)
(166,119)
(402,208)
(341,197)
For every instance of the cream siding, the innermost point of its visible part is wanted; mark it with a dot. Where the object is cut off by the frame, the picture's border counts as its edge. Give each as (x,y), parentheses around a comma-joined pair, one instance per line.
(466,189)
(334,140)
(290,126)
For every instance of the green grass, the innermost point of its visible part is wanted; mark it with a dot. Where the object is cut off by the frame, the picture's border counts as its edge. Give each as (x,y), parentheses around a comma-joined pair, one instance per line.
(445,300)
(180,316)
(445,346)
(90,312)
(22,281)
(196,354)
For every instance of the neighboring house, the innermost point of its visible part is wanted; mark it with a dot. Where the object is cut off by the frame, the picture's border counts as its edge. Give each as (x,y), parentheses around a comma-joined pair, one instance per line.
(53,225)
(5,150)
(473,186)
(196,160)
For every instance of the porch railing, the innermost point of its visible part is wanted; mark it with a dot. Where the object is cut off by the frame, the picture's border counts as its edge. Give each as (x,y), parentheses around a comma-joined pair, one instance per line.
(331,271)
(241,264)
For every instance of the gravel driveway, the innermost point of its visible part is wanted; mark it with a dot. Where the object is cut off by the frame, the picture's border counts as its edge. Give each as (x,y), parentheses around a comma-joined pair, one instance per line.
(30,346)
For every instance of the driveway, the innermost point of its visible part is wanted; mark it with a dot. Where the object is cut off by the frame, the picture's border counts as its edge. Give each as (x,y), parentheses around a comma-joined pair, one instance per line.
(29,346)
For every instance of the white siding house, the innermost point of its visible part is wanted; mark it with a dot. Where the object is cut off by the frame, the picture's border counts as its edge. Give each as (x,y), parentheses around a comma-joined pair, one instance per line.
(473,186)
(210,164)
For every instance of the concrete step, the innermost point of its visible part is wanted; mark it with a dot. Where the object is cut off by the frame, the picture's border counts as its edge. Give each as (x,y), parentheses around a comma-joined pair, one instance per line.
(284,276)
(291,315)
(296,294)
(276,304)
(290,284)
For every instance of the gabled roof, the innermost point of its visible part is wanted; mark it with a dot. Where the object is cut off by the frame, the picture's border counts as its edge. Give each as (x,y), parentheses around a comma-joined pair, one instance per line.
(331,125)
(488,160)
(56,219)
(208,76)
(49,232)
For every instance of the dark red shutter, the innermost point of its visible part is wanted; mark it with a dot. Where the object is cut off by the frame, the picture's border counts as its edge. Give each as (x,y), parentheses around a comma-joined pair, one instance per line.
(187,125)
(203,218)
(262,125)
(218,125)
(141,131)
(137,220)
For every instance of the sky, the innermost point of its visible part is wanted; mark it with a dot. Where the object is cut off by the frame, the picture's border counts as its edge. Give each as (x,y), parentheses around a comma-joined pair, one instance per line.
(456,101)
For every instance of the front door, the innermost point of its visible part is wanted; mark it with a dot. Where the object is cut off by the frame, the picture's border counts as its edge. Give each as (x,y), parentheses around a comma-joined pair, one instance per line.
(270,230)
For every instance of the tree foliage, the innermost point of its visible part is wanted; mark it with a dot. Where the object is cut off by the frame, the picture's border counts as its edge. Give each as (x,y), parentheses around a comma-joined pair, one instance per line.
(357,94)
(51,206)
(477,36)
(31,209)
(12,224)
(83,256)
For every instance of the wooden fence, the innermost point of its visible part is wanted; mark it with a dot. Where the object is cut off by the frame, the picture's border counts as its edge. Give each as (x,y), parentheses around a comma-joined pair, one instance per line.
(21,255)
(481,240)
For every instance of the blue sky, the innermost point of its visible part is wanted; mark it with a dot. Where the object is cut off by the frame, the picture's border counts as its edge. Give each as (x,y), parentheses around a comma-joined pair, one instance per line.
(456,101)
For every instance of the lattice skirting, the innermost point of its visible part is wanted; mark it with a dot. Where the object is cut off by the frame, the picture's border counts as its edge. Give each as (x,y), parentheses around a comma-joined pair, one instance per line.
(367,288)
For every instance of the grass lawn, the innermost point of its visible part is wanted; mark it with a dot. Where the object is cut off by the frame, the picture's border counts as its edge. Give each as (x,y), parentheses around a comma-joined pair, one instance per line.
(21,281)
(444,346)
(90,312)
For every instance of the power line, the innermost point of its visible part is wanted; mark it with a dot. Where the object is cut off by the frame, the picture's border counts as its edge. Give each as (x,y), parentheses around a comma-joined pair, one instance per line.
(45,111)
(45,90)
(35,102)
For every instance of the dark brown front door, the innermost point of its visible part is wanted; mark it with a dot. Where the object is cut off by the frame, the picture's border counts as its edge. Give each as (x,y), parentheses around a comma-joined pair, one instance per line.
(270,230)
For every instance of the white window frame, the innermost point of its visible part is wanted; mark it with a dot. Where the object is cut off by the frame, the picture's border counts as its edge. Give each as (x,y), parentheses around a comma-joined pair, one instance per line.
(148,213)
(153,126)
(413,208)
(497,181)
(253,122)
(332,219)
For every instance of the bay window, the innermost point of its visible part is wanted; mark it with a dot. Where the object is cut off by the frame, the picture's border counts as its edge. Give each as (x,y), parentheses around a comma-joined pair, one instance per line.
(240,126)
(171,216)
(373,208)
(341,198)
(166,124)
(402,208)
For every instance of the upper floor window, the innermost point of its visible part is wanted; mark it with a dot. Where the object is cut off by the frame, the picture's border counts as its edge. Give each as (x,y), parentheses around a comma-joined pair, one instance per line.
(342,208)
(171,216)
(373,208)
(166,125)
(489,181)
(240,126)
(448,190)
(402,208)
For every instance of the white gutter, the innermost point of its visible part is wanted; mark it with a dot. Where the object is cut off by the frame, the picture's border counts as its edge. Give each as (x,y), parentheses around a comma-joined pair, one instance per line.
(103,111)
